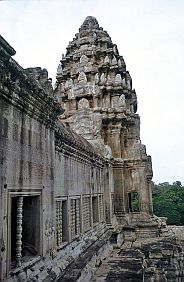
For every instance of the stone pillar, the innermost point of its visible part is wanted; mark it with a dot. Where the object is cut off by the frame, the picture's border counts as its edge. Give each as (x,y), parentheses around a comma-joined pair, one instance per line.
(95,101)
(144,195)
(114,101)
(115,140)
(149,175)
(119,196)
(108,189)
(150,186)
(107,101)
(19,231)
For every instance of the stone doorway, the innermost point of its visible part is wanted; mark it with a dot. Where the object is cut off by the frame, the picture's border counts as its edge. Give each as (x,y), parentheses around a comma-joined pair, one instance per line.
(25,229)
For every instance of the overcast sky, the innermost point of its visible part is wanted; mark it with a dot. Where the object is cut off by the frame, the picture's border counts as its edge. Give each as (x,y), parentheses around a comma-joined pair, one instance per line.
(150,36)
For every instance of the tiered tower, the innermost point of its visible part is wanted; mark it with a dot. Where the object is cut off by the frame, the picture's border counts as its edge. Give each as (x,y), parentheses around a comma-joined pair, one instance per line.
(95,89)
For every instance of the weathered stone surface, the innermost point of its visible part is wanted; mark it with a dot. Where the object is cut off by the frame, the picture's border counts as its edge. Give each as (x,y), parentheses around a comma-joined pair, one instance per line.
(152,259)
(71,161)
(110,117)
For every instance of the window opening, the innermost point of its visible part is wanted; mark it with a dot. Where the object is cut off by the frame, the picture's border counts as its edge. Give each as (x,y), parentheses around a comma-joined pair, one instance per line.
(61,222)
(95,209)
(133,199)
(86,206)
(75,217)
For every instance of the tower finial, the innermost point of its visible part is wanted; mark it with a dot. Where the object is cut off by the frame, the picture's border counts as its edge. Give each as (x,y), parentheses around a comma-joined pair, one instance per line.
(90,23)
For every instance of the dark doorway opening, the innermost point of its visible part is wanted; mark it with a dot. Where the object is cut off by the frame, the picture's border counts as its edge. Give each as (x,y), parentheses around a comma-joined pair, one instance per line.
(64,222)
(30,227)
(95,209)
(133,202)
(25,233)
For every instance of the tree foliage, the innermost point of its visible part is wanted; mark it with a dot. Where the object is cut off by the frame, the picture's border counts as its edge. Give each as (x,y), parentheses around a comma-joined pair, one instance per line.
(168,201)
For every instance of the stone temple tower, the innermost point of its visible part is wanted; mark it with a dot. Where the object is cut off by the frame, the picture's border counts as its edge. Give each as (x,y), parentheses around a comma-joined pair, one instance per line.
(95,89)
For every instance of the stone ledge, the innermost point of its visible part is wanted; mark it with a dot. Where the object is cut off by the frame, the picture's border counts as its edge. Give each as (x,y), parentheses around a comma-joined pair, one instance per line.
(74,270)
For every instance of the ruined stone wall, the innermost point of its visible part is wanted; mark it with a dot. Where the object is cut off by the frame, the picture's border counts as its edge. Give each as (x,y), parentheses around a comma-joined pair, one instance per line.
(52,180)
(27,164)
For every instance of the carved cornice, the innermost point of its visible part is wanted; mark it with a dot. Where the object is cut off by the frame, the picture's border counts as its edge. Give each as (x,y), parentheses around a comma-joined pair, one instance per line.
(73,145)
(25,93)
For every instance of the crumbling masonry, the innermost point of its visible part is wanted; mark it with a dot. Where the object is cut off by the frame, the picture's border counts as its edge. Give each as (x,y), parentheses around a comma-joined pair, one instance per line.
(75,179)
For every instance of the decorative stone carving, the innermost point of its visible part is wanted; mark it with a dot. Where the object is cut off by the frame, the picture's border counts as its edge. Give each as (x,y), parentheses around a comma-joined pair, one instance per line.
(102,78)
(62,87)
(70,83)
(119,63)
(90,23)
(122,102)
(118,79)
(83,59)
(128,84)
(108,152)
(83,104)
(115,49)
(124,82)
(114,61)
(132,108)
(135,179)
(106,60)
(115,102)
(96,78)
(107,103)
(67,85)
(71,93)
(109,80)
(71,89)
(59,222)
(94,35)
(82,77)
(97,123)
(128,80)
(60,69)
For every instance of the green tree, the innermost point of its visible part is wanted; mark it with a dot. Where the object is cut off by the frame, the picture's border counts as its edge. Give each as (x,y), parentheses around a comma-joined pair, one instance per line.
(168,201)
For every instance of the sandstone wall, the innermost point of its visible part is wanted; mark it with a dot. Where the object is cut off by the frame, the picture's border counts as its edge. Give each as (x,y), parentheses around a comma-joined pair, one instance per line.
(52,181)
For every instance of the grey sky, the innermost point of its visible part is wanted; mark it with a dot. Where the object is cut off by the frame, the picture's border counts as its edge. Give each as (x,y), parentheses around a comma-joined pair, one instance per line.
(150,36)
